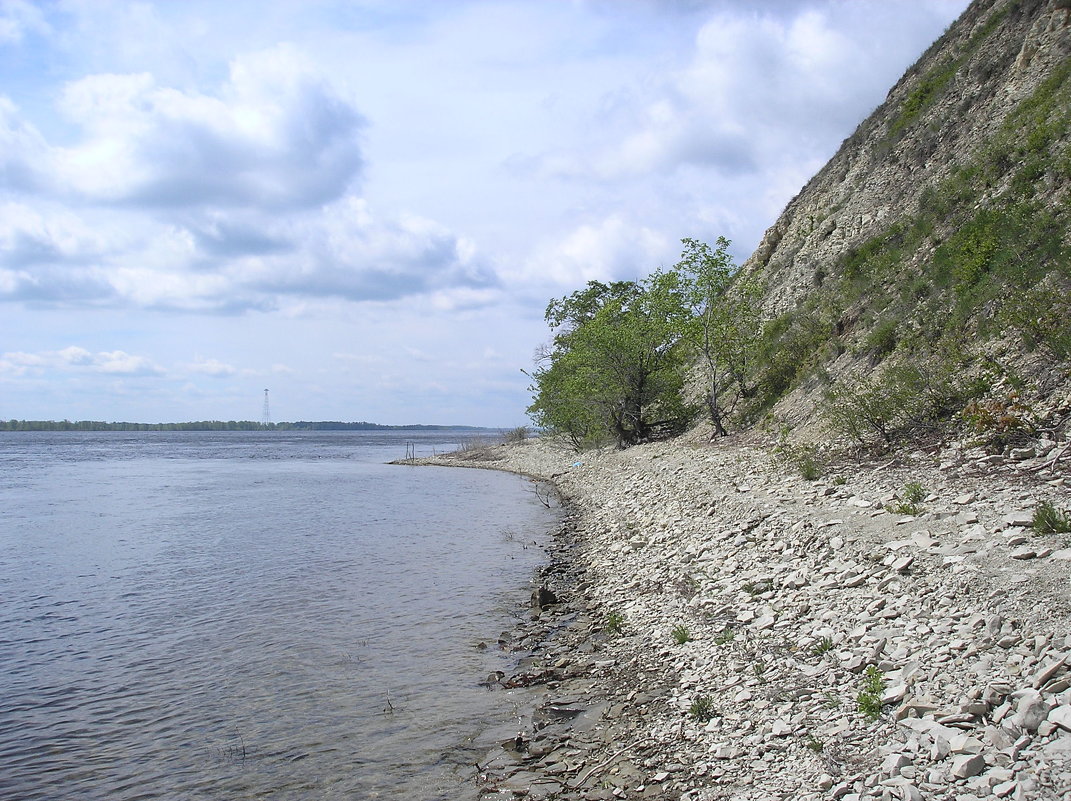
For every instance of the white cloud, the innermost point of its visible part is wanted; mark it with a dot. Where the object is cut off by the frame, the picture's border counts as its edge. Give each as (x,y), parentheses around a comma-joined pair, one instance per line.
(24,153)
(77,359)
(18,18)
(32,235)
(359,358)
(347,251)
(118,361)
(235,260)
(211,367)
(759,90)
(612,249)
(275,135)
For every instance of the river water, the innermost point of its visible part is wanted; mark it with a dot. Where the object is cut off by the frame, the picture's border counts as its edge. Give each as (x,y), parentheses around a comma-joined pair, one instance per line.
(244,615)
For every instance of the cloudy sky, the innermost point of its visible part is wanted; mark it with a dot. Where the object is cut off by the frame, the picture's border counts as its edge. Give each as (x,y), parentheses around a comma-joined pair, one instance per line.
(365,205)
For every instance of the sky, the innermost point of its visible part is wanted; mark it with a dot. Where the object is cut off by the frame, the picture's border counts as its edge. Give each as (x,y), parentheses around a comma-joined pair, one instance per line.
(364,206)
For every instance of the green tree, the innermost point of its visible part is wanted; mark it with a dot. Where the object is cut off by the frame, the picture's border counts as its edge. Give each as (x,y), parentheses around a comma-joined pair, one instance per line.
(614,368)
(723,326)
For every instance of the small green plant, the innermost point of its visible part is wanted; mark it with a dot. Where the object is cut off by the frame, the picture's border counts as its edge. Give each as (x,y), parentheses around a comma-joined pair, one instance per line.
(724,637)
(914,492)
(759,668)
(832,700)
(881,340)
(803,458)
(702,709)
(911,498)
(809,469)
(615,622)
(839,481)
(1050,520)
(681,635)
(823,646)
(904,508)
(870,690)
(814,743)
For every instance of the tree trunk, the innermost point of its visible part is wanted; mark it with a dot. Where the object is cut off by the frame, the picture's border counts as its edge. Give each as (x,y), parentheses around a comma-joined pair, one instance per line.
(715,414)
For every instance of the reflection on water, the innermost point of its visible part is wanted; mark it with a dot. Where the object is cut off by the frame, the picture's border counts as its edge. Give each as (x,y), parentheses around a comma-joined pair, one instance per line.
(236,615)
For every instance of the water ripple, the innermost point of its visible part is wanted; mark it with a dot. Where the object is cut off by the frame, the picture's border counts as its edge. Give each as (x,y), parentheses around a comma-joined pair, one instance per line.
(227,620)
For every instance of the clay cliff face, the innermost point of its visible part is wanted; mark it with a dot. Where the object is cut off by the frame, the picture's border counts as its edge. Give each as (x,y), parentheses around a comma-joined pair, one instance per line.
(943,218)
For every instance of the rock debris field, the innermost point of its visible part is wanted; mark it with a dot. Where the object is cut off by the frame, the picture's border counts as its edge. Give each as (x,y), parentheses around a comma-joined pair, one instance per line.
(712,626)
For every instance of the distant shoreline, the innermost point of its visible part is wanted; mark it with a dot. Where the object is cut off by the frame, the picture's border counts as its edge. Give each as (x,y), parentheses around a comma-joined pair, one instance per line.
(220,425)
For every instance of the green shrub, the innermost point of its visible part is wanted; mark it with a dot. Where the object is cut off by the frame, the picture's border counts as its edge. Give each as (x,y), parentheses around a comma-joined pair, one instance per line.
(881,341)
(801,457)
(681,635)
(866,407)
(910,502)
(702,709)
(914,492)
(906,397)
(809,470)
(870,690)
(1042,317)
(615,623)
(1050,520)
(929,89)
(789,347)
(997,422)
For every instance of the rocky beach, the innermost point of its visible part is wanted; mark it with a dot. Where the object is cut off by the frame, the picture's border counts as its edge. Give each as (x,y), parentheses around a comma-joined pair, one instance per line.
(713,626)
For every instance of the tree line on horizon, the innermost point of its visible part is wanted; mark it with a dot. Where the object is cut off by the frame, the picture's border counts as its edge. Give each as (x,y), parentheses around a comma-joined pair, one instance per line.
(217,425)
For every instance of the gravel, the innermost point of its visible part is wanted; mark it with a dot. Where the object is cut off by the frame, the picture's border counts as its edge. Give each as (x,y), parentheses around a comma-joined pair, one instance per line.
(804,604)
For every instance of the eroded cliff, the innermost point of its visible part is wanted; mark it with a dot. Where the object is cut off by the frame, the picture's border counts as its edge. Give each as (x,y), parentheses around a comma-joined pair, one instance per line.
(940,229)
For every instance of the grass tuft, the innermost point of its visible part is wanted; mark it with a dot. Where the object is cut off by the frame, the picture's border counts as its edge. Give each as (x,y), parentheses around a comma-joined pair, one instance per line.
(702,709)
(823,646)
(1050,520)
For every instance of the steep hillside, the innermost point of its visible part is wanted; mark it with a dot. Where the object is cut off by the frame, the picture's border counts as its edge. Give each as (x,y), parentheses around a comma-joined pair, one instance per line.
(937,238)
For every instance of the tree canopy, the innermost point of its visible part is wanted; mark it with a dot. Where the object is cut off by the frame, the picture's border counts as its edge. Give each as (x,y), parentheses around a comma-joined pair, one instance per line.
(618,366)
(614,369)
(723,327)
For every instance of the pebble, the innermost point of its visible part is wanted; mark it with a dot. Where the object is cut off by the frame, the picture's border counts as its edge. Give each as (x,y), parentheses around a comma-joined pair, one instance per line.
(792,591)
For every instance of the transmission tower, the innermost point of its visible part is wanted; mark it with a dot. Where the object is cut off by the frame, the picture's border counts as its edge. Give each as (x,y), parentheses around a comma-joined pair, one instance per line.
(266,418)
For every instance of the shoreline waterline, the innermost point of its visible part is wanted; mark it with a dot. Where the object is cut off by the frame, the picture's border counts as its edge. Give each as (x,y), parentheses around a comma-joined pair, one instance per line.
(721,616)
